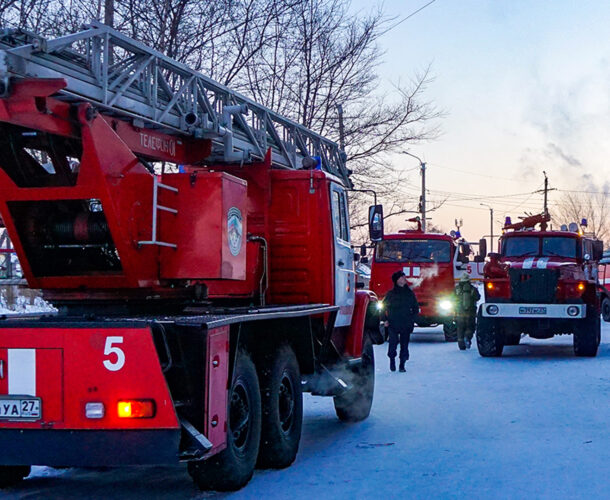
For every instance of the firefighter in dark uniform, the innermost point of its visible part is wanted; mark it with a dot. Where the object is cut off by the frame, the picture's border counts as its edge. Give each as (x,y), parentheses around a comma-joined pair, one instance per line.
(401,307)
(466,311)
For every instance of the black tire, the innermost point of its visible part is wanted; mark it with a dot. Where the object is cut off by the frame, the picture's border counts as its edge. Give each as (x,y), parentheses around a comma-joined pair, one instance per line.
(10,475)
(606,309)
(232,468)
(490,340)
(282,408)
(450,331)
(355,404)
(587,334)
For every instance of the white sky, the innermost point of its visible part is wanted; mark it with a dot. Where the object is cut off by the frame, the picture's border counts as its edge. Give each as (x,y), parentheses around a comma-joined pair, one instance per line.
(525,85)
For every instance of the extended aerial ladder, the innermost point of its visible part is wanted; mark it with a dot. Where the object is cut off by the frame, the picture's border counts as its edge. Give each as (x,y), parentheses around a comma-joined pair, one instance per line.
(126,79)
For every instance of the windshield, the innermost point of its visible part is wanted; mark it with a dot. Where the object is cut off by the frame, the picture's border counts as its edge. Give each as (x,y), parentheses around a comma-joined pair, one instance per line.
(413,251)
(551,246)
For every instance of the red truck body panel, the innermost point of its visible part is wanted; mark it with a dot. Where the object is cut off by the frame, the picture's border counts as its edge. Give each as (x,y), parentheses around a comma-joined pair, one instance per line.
(68,368)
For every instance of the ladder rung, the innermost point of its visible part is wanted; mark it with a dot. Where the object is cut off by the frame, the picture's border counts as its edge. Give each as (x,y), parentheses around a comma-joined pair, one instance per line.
(159,243)
(167,209)
(169,188)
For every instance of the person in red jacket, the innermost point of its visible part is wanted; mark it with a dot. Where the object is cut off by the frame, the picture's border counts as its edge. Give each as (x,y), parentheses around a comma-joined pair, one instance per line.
(401,307)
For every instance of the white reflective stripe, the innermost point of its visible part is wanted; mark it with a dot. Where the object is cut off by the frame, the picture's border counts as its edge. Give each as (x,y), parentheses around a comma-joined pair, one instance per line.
(542,262)
(407,271)
(528,263)
(416,271)
(22,372)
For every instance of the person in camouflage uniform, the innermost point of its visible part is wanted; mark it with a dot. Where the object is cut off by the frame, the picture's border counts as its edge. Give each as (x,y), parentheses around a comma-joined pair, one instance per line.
(466,310)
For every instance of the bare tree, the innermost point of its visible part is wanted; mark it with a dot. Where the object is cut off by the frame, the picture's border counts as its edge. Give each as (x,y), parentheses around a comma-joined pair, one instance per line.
(573,207)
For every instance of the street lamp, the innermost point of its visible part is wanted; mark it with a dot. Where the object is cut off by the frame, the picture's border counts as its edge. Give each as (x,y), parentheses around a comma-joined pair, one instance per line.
(491,221)
(422,198)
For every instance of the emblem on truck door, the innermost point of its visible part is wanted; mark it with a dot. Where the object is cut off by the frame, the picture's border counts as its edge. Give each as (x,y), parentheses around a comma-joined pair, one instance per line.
(234,230)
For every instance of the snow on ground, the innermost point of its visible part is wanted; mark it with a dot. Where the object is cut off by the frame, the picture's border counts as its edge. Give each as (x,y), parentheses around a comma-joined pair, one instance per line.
(22,306)
(532,424)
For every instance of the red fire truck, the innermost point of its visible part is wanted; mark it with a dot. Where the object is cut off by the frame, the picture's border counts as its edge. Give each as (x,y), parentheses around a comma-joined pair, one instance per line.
(432,264)
(541,283)
(197,246)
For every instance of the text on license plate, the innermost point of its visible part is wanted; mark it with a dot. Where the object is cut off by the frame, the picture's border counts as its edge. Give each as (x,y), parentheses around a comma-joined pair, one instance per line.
(532,310)
(20,408)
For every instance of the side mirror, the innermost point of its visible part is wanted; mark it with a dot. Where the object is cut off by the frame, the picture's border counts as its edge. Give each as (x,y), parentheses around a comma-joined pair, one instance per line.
(356,257)
(483,248)
(376,222)
(598,250)
(363,250)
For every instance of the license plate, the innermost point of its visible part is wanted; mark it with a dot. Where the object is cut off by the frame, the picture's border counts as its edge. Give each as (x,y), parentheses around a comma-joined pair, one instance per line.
(20,408)
(532,310)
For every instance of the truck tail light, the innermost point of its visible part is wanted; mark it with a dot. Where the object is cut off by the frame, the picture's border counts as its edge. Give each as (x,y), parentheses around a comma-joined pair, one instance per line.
(136,408)
(581,287)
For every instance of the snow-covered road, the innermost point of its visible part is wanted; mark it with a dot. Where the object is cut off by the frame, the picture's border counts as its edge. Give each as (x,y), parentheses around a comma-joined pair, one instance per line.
(532,424)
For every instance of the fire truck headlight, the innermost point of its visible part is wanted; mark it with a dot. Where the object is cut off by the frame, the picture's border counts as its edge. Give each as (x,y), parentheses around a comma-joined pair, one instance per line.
(492,309)
(379,305)
(573,311)
(94,410)
(445,306)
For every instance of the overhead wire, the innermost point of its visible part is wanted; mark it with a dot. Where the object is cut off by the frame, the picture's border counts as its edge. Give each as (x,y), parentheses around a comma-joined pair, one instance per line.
(407,17)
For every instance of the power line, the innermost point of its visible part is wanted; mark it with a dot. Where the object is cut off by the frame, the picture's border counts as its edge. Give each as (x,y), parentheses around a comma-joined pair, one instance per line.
(605,193)
(407,17)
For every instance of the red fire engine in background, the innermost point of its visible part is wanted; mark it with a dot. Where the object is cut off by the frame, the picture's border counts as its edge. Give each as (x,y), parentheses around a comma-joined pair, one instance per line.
(541,283)
(432,263)
(204,278)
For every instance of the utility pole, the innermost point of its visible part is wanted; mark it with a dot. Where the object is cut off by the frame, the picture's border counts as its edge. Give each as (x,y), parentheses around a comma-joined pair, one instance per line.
(491,220)
(546,193)
(422,198)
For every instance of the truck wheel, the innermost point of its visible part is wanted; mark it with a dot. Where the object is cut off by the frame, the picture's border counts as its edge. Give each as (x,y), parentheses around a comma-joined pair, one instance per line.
(450,331)
(282,404)
(490,342)
(10,475)
(606,309)
(232,468)
(355,404)
(587,335)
